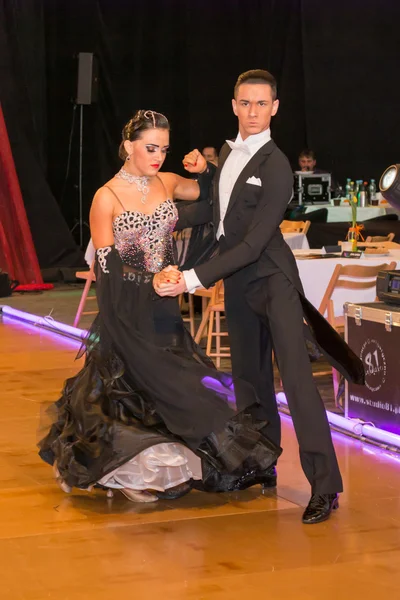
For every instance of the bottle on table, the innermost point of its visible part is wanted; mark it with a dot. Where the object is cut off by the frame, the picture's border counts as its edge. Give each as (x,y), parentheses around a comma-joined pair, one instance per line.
(348,189)
(363,195)
(337,196)
(357,191)
(373,200)
(352,190)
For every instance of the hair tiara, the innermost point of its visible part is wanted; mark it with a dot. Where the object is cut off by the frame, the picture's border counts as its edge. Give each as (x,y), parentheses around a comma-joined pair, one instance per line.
(151,114)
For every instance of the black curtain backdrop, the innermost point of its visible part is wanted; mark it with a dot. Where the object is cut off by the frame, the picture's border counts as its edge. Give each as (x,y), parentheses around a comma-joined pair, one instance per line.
(351,53)
(23,95)
(336,65)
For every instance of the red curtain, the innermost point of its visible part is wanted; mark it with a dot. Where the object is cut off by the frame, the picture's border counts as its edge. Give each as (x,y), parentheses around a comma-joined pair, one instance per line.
(17,252)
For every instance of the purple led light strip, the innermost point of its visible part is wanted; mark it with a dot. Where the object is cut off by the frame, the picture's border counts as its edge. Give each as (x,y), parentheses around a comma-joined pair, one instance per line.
(45,322)
(356,428)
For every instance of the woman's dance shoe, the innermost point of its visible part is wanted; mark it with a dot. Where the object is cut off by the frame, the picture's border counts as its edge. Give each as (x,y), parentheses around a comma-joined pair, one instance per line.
(138,496)
(60,481)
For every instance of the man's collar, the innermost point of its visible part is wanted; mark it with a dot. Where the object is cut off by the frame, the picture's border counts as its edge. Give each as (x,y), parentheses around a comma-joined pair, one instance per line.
(258,139)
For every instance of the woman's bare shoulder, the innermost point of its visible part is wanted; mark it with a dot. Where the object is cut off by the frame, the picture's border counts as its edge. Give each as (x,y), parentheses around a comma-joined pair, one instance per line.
(107,187)
(104,197)
(168,177)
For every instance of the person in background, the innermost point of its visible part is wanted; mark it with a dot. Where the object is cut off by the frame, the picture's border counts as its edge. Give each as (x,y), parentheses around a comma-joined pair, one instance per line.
(308,161)
(308,164)
(211,155)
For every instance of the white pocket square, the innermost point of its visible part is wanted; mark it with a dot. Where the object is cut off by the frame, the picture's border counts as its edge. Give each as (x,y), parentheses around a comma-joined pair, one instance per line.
(254,181)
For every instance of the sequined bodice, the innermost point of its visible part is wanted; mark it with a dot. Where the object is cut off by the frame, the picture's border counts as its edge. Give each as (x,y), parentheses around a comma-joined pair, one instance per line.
(145,241)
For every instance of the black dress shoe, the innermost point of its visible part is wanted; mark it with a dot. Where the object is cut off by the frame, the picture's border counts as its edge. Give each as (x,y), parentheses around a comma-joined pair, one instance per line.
(266,478)
(320,507)
(175,492)
(270,478)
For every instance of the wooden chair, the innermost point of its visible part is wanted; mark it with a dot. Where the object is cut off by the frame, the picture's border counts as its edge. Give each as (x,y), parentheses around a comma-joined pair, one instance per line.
(90,278)
(295,226)
(213,310)
(351,277)
(189,319)
(380,238)
(205,296)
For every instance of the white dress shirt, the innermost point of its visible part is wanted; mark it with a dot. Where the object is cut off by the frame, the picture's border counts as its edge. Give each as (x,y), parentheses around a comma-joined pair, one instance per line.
(242,151)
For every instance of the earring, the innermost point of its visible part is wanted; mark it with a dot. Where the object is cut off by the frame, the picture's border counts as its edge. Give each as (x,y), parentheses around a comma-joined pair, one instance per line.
(128,157)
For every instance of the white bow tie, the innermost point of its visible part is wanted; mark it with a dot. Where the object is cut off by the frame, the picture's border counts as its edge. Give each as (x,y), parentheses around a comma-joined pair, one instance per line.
(240,147)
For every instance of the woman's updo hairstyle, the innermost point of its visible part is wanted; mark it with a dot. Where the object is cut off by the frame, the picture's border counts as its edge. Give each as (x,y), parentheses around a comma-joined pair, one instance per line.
(141,120)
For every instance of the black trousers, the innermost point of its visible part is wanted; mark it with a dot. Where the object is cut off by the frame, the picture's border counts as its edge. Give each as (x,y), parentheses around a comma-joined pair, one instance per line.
(263,314)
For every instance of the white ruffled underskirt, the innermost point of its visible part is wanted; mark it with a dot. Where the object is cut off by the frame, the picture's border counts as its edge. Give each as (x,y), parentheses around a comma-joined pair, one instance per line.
(157,468)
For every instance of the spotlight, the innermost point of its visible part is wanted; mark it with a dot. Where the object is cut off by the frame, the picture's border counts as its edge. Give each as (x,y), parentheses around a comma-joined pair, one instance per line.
(389,185)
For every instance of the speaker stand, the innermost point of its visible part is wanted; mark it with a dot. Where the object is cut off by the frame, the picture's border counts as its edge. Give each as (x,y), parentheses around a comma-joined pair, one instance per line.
(80,223)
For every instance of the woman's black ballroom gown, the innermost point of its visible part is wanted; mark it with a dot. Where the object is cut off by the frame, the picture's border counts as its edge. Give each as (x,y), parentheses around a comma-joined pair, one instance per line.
(148,410)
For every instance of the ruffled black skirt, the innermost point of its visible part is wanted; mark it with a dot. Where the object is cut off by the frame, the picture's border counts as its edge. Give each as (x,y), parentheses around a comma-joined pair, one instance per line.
(145,382)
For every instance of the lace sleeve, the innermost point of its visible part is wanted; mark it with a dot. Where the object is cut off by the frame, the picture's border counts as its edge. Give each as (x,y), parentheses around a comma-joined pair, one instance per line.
(102,254)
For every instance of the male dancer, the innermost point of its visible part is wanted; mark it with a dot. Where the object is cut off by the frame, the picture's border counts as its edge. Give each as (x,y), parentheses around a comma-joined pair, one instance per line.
(264,301)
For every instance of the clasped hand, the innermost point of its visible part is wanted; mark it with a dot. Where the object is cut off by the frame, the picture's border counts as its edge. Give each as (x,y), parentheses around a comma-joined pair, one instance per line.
(169,282)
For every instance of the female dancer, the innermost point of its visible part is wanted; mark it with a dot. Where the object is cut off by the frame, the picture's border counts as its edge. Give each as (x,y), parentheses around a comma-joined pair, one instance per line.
(149,414)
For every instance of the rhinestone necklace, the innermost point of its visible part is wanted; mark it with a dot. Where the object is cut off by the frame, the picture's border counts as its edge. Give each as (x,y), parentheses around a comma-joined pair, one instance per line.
(142,183)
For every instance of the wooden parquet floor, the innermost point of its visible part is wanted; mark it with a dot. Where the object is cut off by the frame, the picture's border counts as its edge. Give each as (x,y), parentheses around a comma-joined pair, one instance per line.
(204,546)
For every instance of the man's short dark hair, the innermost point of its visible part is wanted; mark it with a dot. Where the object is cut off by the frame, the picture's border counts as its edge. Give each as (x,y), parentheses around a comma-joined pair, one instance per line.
(307,153)
(256,76)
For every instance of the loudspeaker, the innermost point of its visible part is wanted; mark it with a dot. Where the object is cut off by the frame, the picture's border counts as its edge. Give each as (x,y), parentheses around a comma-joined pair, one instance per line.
(88,73)
(6,285)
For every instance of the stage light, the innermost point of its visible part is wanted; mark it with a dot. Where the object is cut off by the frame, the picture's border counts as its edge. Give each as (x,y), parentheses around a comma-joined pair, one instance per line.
(389,185)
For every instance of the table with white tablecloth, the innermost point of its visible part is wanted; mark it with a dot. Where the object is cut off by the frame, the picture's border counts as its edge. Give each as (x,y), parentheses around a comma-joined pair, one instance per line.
(342,214)
(296,241)
(315,275)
